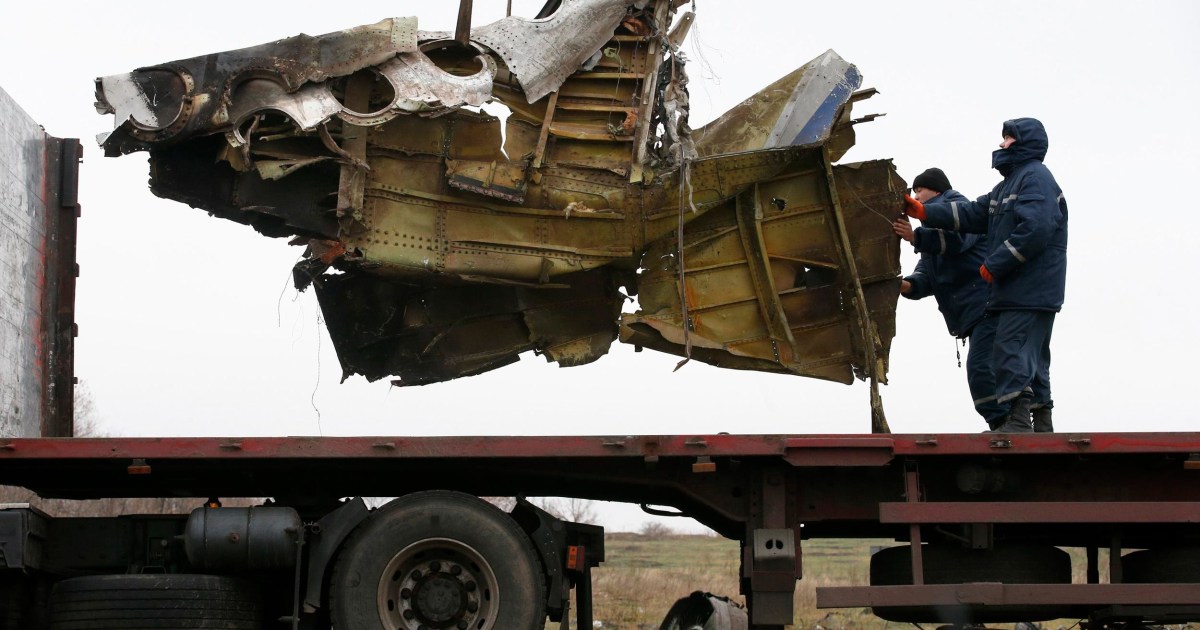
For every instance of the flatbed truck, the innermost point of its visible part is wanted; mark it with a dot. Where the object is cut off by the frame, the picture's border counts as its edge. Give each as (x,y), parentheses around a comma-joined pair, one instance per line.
(980,520)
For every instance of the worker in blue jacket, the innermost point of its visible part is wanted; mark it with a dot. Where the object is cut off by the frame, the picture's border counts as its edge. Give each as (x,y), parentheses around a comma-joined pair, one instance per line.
(949,271)
(1024,219)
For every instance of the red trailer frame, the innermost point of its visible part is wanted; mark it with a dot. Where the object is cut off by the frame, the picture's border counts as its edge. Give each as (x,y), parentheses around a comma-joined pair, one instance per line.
(1113,491)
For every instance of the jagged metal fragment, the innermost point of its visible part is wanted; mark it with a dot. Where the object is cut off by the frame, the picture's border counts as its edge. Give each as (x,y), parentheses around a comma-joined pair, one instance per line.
(765,279)
(543,53)
(174,100)
(799,109)
(418,84)
(444,242)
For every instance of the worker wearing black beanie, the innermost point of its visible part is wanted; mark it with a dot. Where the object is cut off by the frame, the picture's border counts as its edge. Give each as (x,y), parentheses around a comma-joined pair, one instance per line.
(948,271)
(933,179)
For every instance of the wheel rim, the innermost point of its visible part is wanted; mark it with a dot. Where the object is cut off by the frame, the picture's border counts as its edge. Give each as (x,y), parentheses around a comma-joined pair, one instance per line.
(437,584)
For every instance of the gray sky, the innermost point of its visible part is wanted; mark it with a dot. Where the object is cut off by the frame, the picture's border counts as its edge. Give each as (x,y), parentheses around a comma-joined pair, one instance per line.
(189,325)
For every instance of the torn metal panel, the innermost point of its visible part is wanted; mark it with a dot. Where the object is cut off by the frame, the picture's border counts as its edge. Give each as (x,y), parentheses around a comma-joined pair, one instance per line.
(421,85)
(705,611)
(542,53)
(763,276)
(384,328)
(801,109)
(444,242)
(175,100)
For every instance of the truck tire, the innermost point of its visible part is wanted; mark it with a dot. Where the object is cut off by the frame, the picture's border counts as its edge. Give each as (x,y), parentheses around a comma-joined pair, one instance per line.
(438,559)
(947,564)
(1166,565)
(15,597)
(154,601)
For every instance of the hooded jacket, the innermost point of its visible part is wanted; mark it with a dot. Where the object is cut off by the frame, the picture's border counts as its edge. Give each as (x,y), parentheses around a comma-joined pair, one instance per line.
(949,271)
(1024,219)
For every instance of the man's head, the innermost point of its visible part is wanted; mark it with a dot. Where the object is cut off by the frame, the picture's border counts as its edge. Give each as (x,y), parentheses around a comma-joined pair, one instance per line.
(1024,139)
(1028,135)
(930,184)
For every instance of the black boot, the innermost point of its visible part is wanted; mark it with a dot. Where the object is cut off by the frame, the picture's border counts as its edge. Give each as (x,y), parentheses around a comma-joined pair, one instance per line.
(1018,418)
(1041,420)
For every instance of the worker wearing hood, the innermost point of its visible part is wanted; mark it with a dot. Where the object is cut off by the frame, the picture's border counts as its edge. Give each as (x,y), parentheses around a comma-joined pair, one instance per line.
(1024,219)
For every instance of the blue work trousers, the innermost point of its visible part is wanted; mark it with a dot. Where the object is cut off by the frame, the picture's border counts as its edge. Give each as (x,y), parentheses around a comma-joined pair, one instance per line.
(979,372)
(1021,356)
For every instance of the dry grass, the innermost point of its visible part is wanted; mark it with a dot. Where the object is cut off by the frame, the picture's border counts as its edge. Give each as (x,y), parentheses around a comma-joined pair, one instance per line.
(645,575)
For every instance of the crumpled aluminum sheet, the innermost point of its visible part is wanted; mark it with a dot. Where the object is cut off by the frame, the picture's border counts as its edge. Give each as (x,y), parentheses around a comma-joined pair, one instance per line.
(172,101)
(419,84)
(214,93)
(543,53)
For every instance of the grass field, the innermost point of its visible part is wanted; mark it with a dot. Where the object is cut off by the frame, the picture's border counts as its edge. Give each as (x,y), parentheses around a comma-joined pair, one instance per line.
(645,575)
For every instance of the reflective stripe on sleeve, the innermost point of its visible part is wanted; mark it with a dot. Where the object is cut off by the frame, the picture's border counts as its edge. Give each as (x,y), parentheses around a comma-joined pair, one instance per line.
(1016,254)
(954,212)
(942,238)
(985,399)
(1009,198)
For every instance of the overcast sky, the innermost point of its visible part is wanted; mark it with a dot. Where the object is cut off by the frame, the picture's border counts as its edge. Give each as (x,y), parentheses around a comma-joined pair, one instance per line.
(189,325)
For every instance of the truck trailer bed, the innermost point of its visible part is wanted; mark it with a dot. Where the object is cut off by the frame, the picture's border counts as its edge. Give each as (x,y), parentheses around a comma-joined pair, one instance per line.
(969,506)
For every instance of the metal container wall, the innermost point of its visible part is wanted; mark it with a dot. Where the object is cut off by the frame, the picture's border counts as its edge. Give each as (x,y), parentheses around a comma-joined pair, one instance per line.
(37,276)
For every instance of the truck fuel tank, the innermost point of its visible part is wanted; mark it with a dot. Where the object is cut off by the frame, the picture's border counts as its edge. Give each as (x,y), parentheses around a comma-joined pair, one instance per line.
(243,538)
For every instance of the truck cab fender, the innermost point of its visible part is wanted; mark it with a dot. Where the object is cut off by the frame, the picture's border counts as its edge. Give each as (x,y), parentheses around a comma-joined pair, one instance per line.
(331,532)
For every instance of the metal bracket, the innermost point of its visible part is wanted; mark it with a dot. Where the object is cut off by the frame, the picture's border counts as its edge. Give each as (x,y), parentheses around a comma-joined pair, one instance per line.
(774,546)
(772,576)
(772,560)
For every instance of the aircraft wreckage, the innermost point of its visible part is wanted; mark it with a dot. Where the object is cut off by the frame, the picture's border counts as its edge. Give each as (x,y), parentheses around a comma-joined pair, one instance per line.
(444,242)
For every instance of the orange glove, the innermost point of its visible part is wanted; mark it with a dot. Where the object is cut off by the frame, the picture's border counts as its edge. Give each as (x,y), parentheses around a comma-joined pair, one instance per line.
(914,208)
(985,274)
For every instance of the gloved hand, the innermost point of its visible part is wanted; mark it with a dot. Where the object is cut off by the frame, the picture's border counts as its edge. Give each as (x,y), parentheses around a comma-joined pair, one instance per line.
(985,274)
(903,229)
(914,208)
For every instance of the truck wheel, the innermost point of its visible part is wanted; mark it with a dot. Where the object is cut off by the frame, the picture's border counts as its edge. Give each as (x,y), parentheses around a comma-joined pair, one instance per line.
(159,601)
(947,564)
(1178,565)
(434,560)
